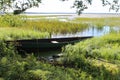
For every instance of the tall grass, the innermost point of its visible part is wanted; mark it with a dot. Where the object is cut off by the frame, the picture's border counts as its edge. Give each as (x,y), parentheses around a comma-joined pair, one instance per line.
(10,20)
(18,33)
(43,25)
(106,21)
(55,26)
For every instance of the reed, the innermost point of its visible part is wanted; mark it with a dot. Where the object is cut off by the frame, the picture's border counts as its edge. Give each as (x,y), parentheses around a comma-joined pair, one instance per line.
(43,25)
(106,21)
(53,26)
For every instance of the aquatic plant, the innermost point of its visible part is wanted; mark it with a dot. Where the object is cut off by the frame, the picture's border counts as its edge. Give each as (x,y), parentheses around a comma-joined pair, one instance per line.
(53,26)
(99,22)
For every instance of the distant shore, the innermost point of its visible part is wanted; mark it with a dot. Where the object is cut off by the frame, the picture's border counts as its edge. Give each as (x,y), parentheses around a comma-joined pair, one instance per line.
(89,15)
(84,15)
(99,15)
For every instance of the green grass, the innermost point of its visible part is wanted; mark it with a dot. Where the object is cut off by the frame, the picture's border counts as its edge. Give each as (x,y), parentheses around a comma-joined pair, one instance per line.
(12,20)
(18,33)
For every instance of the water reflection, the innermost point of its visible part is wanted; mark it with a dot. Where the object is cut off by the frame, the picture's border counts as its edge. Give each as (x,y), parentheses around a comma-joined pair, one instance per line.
(90,31)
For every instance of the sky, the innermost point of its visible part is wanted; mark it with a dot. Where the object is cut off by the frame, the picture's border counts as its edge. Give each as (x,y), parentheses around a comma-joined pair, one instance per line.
(59,6)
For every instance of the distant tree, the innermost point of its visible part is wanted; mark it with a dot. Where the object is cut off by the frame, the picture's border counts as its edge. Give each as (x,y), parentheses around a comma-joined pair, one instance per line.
(19,6)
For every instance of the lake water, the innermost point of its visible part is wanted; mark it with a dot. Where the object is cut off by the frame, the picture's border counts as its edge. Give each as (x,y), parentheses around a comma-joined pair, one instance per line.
(90,31)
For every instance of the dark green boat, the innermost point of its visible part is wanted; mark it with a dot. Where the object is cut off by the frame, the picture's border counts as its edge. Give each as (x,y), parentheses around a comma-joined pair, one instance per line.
(37,45)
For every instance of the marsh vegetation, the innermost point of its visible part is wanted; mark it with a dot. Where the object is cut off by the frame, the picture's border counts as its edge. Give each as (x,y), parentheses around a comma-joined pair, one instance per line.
(93,59)
(99,22)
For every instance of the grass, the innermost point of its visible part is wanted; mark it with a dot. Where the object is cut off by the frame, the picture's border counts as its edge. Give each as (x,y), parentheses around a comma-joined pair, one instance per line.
(12,20)
(18,33)
(96,54)
(106,47)
(55,26)
(107,21)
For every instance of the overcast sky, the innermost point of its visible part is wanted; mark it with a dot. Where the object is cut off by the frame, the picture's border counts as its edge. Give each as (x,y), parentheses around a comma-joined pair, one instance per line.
(59,6)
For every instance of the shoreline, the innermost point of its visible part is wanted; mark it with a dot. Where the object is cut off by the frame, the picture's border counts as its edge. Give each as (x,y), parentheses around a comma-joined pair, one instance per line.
(99,15)
(83,15)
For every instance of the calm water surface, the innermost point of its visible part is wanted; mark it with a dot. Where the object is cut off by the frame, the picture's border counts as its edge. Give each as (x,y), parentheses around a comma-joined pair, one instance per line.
(90,31)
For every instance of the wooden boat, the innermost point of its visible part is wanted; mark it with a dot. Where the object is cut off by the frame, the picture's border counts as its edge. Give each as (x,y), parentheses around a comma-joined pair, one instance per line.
(37,45)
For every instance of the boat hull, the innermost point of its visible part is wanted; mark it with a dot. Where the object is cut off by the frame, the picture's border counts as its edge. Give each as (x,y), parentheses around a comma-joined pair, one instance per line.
(37,45)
